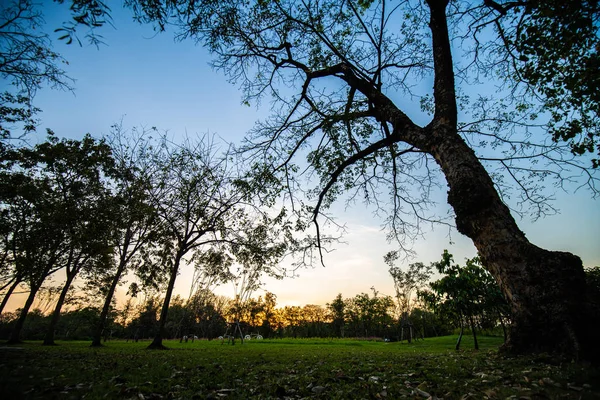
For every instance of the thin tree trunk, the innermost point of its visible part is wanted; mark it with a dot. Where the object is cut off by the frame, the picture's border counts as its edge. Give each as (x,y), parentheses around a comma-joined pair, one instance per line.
(462,329)
(15,335)
(157,342)
(96,339)
(126,254)
(472,323)
(49,338)
(7,295)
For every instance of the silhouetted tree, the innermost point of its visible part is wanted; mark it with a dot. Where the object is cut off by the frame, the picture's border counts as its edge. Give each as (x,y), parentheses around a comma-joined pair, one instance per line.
(53,194)
(136,222)
(338,315)
(207,213)
(77,172)
(342,74)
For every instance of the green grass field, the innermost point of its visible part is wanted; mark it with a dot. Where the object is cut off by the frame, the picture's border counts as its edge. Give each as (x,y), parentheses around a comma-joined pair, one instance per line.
(293,369)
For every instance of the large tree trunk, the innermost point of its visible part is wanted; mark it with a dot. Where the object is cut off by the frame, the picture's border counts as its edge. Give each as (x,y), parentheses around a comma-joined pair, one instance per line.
(545,289)
(157,342)
(49,338)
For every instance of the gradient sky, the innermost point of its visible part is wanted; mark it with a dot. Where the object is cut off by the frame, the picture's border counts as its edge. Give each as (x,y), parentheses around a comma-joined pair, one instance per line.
(150,80)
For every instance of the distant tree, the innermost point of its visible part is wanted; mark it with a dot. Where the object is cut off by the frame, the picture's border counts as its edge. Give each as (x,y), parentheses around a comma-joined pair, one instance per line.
(466,292)
(429,323)
(369,316)
(208,310)
(7,319)
(338,315)
(78,324)
(383,308)
(314,320)
(35,325)
(181,322)
(144,323)
(268,316)
(406,285)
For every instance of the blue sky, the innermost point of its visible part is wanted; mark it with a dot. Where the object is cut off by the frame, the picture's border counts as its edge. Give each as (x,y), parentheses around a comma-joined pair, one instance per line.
(150,80)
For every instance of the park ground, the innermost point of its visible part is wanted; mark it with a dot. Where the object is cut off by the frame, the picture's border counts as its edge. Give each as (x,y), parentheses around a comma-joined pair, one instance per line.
(289,369)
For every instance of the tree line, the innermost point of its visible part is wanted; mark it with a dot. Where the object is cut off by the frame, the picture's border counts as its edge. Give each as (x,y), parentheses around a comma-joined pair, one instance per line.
(97,209)
(464,297)
(209,316)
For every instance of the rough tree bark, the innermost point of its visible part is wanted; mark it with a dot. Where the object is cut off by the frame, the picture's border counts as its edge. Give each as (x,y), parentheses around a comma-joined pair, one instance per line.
(546,289)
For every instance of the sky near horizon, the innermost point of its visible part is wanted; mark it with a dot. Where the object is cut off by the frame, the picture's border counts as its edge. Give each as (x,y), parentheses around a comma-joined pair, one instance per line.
(148,80)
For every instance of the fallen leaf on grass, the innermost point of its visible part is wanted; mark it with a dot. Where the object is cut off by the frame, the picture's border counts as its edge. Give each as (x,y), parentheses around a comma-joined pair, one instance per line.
(317,389)
(422,393)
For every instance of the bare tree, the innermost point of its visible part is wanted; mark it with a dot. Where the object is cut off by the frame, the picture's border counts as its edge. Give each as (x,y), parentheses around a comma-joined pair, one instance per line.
(203,204)
(406,285)
(137,222)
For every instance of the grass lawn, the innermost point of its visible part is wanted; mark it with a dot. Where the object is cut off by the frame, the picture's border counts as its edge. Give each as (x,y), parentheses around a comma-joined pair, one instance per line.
(293,369)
